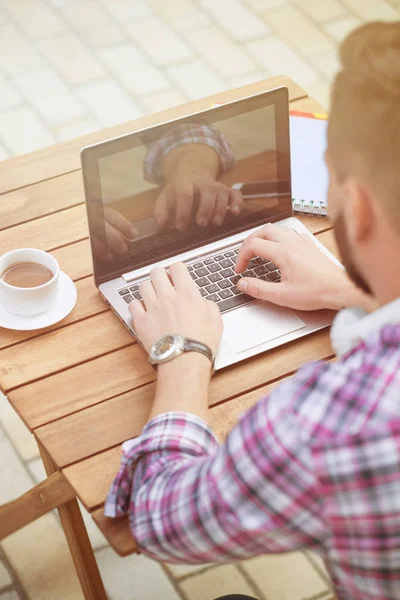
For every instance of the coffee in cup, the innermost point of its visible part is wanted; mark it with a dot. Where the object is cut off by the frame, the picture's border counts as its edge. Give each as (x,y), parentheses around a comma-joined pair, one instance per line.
(27,275)
(28,281)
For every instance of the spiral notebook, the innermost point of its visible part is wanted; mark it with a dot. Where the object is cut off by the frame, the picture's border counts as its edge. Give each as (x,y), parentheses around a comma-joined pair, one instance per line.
(309,171)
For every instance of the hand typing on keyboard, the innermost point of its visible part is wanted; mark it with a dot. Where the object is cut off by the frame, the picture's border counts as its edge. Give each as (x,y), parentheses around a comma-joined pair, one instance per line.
(172,304)
(309,279)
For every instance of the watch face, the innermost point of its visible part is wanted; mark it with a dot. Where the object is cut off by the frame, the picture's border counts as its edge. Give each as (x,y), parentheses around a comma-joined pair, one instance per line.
(164,345)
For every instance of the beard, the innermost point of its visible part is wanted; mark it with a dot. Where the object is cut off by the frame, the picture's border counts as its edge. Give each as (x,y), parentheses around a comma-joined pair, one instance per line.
(345,255)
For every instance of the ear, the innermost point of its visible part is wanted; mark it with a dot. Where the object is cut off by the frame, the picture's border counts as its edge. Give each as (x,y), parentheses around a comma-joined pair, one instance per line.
(359,210)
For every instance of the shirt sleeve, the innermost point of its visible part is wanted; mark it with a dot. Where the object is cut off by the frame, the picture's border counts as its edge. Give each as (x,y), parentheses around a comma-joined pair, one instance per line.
(187,133)
(192,500)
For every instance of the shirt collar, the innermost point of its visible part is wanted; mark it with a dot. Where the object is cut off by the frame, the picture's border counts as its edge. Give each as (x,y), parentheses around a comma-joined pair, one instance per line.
(354,325)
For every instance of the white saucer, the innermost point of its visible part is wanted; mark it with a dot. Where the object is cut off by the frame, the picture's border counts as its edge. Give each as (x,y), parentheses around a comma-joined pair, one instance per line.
(66,299)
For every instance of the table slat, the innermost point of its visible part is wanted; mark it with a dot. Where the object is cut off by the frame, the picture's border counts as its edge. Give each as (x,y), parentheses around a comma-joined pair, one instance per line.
(63,158)
(61,349)
(40,199)
(111,422)
(47,233)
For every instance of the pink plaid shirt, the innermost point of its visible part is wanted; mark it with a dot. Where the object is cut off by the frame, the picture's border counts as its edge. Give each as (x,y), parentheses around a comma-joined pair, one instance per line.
(316,465)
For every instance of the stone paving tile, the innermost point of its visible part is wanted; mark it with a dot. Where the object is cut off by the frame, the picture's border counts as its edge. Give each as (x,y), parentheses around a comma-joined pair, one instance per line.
(127,10)
(195,80)
(287,576)
(216,582)
(132,70)
(49,96)
(180,571)
(328,64)
(373,10)
(5,577)
(159,41)
(278,58)
(182,15)
(237,20)
(135,577)
(264,5)
(70,58)
(22,131)
(108,102)
(9,96)
(218,49)
(74,130)
(9,595)
(299,31)
(24,57)
(321,11)
(340,28)
(102,32)
(35,18)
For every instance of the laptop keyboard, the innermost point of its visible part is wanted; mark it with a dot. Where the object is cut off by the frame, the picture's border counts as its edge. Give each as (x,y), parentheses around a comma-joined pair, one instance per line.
(216,278)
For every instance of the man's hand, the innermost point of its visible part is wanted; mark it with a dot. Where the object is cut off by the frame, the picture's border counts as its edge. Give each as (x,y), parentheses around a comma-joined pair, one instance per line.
(190,172)
(173,304)
(310,280)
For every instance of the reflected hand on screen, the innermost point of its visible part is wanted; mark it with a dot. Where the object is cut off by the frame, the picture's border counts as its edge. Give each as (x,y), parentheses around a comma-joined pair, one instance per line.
(118,232)
(190,173)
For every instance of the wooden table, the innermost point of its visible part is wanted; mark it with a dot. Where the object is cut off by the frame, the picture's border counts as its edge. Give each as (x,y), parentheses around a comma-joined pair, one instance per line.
(84,386)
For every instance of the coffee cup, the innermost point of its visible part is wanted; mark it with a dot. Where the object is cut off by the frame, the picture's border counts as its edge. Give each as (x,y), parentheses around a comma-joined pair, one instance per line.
(28,281)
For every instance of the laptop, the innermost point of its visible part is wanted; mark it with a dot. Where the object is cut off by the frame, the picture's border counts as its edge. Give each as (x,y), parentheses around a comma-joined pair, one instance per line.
(127,179)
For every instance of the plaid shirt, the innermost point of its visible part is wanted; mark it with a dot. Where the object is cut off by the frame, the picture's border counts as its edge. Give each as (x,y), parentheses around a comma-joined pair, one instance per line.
(187,133)
(314,465)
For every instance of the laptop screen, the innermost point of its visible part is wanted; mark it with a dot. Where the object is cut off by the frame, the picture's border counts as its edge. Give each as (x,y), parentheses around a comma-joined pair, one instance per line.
(177,186)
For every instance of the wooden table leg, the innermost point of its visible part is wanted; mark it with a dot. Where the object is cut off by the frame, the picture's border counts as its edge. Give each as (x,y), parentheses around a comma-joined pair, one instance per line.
(78,542)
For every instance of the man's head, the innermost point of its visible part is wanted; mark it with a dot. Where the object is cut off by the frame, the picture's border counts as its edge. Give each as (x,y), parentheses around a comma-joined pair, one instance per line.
(363,153)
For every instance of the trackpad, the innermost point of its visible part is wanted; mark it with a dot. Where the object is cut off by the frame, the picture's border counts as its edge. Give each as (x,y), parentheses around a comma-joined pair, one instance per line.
(250,326)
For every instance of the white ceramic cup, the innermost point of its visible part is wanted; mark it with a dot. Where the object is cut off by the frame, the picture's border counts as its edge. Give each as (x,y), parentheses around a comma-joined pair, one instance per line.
(34,300)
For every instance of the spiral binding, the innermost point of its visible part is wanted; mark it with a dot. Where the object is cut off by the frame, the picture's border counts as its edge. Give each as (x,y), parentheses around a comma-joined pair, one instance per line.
(311,208)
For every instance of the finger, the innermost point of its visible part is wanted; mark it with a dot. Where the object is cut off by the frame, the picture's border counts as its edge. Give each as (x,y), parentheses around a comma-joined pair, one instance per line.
(257,288)
(137,311)
(162,207)
(208,198)
(180,277)
(184,203)
(236,201)
(252,247)
(161,282)
(221,206)
(120,223)
(115,240)
(148,294)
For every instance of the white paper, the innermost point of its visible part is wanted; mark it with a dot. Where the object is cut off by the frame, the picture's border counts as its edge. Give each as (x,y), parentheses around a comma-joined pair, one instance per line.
(309,171)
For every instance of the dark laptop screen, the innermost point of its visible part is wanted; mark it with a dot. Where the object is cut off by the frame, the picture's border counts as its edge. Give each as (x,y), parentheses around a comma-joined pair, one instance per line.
(156,193)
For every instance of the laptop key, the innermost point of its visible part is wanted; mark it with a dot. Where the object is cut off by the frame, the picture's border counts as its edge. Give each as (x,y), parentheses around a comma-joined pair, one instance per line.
(137,295)
(237,250)
(227,262)
(198,265)
(202,281)
(201,272)
(134,288)
(233,301)
(208,261)
(193,275)
(271,267)
(261,261)
(235,290)
(123,292)
(261,270)
(219,257)
(211,289)
(203,292)
(225,294)
(264,277)
(248,274)
(252,263)
(190,268)
(225,283)
(230,253)
(274,276)
(214,298)
(214,267)
(128,298)
(227,273)
(214,277)
(235,279)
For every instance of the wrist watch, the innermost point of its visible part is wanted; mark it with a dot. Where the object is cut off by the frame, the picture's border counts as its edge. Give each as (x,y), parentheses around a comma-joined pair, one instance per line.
(171,345)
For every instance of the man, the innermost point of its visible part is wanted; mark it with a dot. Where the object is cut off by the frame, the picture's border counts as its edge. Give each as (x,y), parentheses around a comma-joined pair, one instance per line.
(317,463)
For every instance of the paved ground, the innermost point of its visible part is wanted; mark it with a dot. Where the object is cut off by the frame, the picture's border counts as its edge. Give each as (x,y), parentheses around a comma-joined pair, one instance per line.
(68,67)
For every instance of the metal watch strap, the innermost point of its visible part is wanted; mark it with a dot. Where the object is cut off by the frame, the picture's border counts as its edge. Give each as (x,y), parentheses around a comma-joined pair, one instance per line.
(192,345)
